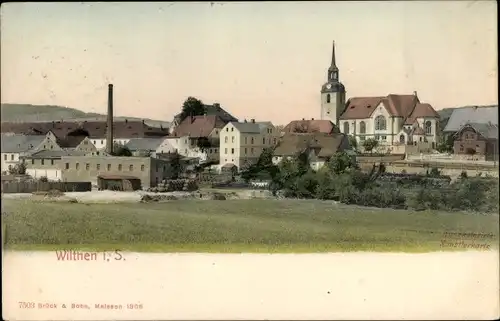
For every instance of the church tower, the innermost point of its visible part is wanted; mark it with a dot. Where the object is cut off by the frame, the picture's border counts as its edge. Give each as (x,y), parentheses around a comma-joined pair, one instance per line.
(332,94)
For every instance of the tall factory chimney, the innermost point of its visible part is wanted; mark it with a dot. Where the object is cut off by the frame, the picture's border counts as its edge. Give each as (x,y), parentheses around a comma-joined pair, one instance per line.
(109,129)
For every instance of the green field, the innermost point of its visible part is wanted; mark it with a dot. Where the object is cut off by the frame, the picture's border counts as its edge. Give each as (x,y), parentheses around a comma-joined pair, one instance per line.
(233,226)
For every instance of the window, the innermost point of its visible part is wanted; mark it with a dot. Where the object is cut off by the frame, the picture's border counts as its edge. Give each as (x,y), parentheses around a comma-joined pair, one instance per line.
(251,140)
(67,165)
(51,146)
(225,151)
(77,166)
(461,148)
(5,157)
(246,150)
(33,162)
(328,98)
(12,157)
(43,161)
(384,137)
(380,123)
(142,168)
(263,140)
(94,142)
(102,142)
(51,162)
(362,127)
(131,168)
(274,140)
(246,140)
(108,167)
(232,129)
(402,139)
(362,138)
(346,128)
(232,150)
(98,166)
(251,150)
(44,147)
(227,129)
(420,139)
(87,166)
(428,128)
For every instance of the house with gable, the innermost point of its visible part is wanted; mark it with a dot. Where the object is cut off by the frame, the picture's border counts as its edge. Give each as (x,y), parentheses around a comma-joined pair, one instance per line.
(241,143)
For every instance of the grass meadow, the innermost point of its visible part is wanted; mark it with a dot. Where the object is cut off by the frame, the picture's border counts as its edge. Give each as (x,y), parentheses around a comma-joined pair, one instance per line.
(234,226)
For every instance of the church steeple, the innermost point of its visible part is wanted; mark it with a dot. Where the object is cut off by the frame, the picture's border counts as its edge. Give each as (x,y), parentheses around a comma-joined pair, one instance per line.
(333,71)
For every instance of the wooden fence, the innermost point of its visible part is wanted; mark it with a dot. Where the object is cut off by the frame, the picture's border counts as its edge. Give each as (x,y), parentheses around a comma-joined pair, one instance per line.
(30,187)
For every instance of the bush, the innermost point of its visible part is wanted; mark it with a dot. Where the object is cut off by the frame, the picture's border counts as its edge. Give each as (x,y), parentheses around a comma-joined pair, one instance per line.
(43,179)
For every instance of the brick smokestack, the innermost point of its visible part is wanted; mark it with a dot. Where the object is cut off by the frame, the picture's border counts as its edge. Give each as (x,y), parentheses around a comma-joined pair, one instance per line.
(109,129)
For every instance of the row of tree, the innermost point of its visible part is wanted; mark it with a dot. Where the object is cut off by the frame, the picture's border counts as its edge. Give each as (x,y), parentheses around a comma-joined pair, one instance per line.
(342,180)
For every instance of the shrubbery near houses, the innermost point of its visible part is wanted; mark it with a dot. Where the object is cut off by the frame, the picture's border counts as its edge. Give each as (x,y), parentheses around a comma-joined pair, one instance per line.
(341,180)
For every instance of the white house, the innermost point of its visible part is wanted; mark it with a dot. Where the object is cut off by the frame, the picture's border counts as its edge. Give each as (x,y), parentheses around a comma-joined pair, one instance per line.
(242,143)
(15,146)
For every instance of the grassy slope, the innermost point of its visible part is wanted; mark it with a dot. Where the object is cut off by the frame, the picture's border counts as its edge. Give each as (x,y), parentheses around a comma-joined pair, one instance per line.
(28,113)
(232,226)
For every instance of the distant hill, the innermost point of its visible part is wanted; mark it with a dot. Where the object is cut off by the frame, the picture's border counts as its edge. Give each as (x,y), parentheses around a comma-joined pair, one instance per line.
(43,113)
(446,113)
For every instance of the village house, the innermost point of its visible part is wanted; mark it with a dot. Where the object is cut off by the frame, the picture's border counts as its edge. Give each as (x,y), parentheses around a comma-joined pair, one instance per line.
(324,126)
(242,143)
(391,120)
(210,110)
(319,146)
(476,141)
(196,137)
(144,146)
(123,131)
(47,163)
(473,114)
(15,146)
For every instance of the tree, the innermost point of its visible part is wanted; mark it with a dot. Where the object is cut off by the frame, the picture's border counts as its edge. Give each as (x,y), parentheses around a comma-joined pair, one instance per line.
(341,162)
(192,107)
(19,169)
(121,150)
(446,145)
(175,164)
(353,142)
(370,144)
(203,143)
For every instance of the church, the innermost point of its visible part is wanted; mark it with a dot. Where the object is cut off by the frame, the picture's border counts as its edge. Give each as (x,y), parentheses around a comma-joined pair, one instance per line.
(392,119)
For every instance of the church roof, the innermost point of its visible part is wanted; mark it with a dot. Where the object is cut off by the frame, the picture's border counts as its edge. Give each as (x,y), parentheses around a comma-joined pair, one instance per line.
(406,106)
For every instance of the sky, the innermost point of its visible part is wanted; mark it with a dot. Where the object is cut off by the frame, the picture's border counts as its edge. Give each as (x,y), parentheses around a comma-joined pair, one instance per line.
(261,60)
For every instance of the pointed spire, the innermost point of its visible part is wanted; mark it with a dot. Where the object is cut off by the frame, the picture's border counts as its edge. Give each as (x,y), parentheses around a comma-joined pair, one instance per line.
(334,65)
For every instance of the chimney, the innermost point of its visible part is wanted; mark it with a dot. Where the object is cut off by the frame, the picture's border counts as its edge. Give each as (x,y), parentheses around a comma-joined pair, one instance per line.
(253,121)
(126,120)
(303,119)
(312,118)
(216,105)
(415,93)
(109,129)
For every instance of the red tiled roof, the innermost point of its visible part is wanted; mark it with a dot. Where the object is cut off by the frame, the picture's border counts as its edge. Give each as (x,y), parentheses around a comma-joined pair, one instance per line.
(311,126)
(361,107)
(396,105)
(94,129)
(198,126)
